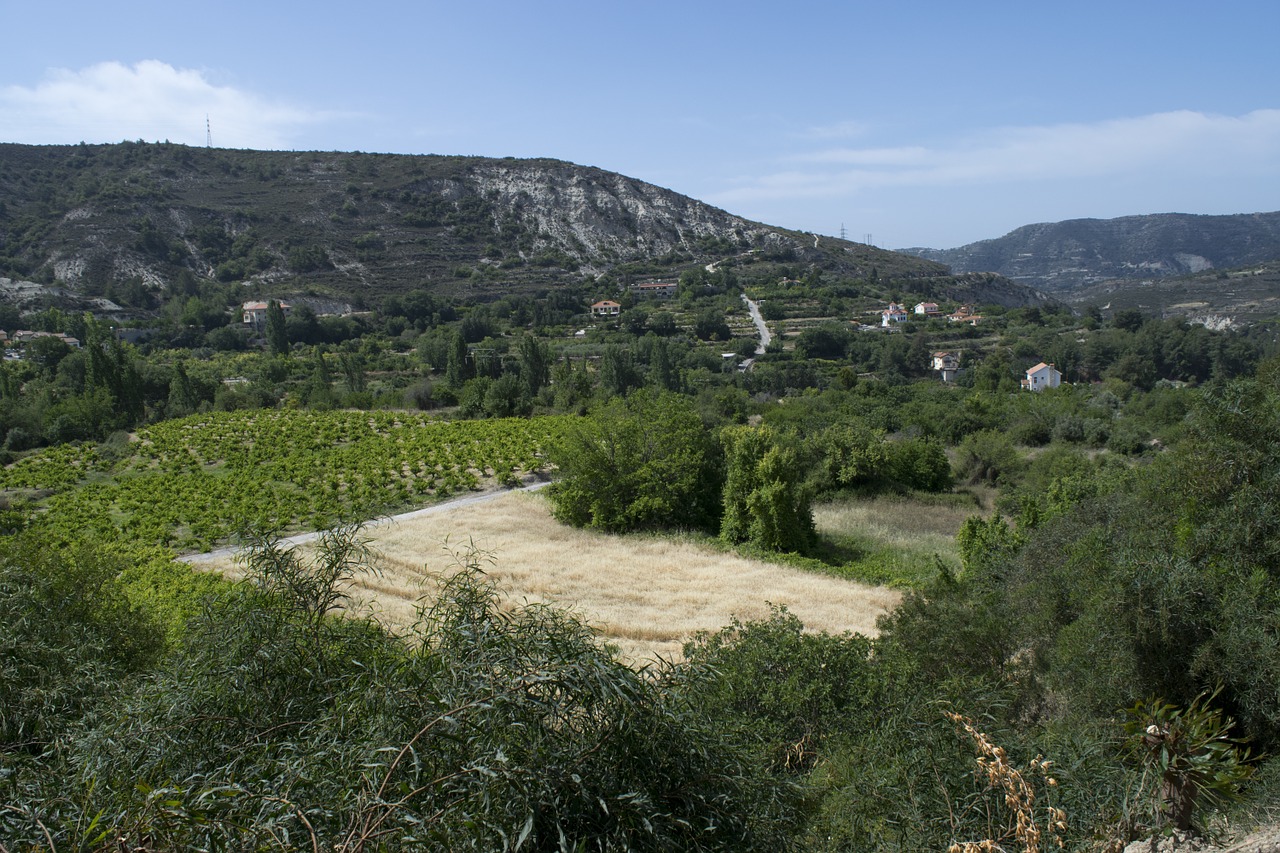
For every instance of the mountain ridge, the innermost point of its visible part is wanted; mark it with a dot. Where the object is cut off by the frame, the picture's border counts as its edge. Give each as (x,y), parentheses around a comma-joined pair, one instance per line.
(131,221)
(1063,257)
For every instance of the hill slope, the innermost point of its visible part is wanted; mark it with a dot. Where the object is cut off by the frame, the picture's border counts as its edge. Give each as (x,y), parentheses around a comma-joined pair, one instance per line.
(128,221)
(1062,257)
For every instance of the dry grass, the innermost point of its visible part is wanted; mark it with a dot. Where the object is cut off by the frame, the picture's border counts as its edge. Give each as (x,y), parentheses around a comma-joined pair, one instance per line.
(903,523)
(646,595)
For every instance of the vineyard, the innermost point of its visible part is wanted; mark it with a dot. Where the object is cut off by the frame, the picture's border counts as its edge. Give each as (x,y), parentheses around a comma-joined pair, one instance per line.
(195,482)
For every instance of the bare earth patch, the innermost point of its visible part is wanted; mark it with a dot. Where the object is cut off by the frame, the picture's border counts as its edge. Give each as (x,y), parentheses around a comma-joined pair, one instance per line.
(646,595)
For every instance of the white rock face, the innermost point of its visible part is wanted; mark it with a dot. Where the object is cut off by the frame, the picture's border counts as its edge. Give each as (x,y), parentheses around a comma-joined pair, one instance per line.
(1193,263)
(613,217)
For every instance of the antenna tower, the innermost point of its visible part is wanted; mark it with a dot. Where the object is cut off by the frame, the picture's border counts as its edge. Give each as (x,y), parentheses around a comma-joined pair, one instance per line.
(843,233)
(868,241)
(208,132)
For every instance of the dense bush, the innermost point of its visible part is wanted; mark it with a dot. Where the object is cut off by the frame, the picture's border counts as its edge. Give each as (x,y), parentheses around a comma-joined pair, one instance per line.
(767,502)
(69,637)
(483,728)
(645,462)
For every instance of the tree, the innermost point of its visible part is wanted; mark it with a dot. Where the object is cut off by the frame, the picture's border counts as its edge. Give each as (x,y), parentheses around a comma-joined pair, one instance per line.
(645,462)
(457,369)
(710,325)
(766,501)
(277,331)
(618,372)
(182,395)
(535,363)
(507,397)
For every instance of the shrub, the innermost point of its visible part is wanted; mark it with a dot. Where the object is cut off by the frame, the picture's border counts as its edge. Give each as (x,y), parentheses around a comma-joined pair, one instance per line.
(486,727)
(918,463)
(988,458)
(766,501)
(1189,758)
(645,462)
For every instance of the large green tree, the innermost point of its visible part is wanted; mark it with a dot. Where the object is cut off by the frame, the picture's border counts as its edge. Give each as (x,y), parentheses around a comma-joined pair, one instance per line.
(645,462)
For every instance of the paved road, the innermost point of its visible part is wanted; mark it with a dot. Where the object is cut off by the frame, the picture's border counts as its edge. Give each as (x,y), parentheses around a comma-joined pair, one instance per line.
(444,506)
(761,326)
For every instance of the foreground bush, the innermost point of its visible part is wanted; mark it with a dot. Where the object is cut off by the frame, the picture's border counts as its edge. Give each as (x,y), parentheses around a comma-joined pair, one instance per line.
(280,724)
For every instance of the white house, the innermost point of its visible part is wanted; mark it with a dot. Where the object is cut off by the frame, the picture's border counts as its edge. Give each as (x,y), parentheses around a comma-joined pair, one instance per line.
(255,313)
(947,364)
(927,309)
(1042,376)
(606,308)
(893,314)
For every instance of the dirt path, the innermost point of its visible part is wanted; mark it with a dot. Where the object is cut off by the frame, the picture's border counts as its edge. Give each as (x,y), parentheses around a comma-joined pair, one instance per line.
(223,555)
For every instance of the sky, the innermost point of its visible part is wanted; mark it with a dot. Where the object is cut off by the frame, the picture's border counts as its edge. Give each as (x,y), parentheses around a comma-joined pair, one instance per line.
(902,123)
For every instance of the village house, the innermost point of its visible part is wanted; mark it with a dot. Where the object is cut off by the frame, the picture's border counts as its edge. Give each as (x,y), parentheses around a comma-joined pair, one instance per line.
(655,290)
(22,337)
(893,314)
(605,308)
(927,309)
(1042,376)
(964,314)
(255,313)
(947,365)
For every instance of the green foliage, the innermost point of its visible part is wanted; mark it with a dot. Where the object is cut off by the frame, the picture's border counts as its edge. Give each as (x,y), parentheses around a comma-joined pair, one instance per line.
(485,727)
(984,542)
(1190,760)
(784,688)
(277,331)
(766,500)
(196,481)
(989,458)
(69,637)
(641,463)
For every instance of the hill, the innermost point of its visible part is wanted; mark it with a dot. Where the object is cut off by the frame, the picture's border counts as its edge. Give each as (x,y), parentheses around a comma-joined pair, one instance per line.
(127,223)
(1219,299)
(1062,258)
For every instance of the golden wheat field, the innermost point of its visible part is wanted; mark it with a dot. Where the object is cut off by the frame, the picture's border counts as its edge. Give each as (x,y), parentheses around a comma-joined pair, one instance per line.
(646,595)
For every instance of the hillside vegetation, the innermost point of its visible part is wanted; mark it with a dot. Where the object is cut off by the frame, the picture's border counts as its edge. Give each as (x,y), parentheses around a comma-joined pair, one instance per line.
(1061,257)
(1216,270)
(136,222)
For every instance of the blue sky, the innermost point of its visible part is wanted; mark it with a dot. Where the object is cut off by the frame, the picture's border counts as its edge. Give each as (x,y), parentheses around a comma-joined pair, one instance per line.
(917,123)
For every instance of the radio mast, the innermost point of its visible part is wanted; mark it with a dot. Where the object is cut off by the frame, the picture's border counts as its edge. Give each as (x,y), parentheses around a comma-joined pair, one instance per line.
(208,132)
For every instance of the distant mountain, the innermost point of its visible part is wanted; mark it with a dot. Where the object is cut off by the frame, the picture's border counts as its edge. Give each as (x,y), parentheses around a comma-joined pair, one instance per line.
(1062,258)
(126,222)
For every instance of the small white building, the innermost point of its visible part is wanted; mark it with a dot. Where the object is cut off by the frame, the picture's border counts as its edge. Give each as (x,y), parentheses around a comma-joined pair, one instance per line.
(893,314)
(1042,376)
(606,308)
(255,313)
(927,309)
(947,364)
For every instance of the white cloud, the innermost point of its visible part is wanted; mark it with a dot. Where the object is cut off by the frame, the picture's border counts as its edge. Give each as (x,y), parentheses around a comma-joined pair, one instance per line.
(1175,146)
(150,100)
